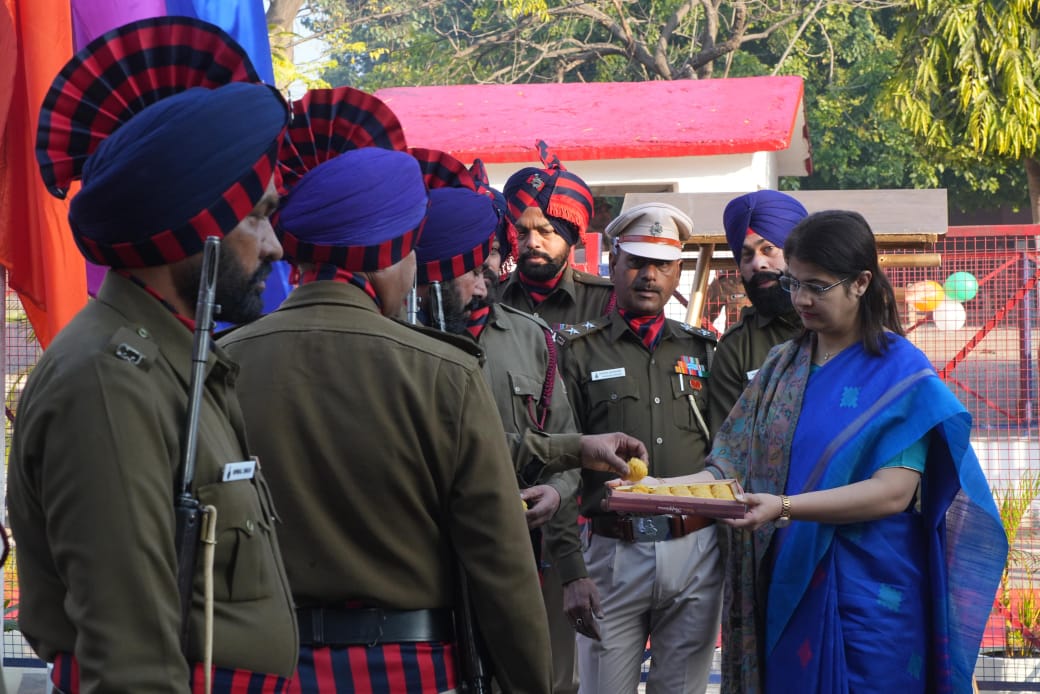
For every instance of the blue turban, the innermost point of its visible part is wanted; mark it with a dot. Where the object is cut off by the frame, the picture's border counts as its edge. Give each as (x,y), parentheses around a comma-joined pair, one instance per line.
(768,213)
(182,168)
(457,237)
(361,210)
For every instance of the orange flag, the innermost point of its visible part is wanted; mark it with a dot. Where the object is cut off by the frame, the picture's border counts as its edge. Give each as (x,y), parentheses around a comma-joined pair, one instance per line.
(43,264)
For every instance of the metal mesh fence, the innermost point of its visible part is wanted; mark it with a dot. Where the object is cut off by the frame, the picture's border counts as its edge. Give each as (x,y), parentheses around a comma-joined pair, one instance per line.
(20,351)
(974,314)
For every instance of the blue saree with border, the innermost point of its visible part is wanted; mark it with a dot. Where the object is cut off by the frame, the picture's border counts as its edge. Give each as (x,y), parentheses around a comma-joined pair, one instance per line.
(898,604)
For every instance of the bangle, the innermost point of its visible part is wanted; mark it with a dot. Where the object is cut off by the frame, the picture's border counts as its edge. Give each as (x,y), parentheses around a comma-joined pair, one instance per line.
(785,512)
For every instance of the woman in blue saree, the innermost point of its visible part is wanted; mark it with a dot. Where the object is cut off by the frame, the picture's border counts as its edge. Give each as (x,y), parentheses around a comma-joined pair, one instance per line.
(871,548)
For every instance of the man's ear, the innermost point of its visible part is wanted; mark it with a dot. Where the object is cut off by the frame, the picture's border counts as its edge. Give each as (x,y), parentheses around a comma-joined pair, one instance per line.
(612,259)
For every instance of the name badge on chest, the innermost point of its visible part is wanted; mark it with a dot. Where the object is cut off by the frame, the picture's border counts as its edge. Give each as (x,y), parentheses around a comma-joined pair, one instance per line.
(607,374)
(242,470)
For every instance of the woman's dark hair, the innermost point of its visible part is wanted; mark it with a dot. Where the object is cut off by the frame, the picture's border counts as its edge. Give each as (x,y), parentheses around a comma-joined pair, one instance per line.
(842,243)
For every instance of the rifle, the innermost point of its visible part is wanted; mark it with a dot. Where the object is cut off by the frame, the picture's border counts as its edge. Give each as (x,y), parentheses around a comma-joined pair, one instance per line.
(187,508)
(474,675)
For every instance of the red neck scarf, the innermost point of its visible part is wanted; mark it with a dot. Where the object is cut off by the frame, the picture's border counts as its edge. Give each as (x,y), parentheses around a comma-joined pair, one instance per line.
(478,321)
(538,291)
(648,328)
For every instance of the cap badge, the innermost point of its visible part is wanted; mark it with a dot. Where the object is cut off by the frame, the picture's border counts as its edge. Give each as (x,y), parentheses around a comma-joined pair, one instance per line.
(656,229)
(536,182)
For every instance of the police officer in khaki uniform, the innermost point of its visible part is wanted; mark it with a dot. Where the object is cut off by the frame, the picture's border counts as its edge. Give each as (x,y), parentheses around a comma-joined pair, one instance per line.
(392,462)
(757,224)
(98,435)
(639,372)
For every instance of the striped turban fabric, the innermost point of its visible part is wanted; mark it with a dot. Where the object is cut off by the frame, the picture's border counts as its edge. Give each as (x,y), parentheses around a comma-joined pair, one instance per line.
(563,197)
(150,117)
(356,199)
(457,237)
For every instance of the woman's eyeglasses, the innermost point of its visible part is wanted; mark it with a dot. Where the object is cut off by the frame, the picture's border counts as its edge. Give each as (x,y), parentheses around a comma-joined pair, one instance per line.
(791,285)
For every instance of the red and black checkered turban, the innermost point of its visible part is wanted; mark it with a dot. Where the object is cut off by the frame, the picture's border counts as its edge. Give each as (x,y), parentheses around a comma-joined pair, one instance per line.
(356,199)
(563,197)
(151,117)
(460,225)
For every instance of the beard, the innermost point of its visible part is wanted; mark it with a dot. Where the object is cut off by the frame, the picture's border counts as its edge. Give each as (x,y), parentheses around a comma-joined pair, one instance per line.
(456,314)
(770,301)
(540,272)
(238,296)
(493,283)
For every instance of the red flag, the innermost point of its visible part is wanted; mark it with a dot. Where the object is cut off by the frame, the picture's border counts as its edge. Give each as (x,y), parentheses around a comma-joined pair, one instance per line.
(43,264)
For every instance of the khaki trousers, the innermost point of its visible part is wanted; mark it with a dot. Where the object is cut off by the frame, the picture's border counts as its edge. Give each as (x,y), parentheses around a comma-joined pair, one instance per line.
(669,592)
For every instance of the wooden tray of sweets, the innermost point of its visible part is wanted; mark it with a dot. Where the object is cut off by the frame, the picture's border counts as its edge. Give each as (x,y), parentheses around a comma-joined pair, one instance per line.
(713,499)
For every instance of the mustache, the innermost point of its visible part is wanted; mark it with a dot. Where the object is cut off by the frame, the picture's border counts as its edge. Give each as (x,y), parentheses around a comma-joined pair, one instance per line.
(644,287)
(535,254)
(475,303)
(262,272)
(766,276)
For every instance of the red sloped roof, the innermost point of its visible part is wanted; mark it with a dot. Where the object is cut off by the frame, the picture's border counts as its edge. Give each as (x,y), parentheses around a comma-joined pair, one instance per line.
(500,123)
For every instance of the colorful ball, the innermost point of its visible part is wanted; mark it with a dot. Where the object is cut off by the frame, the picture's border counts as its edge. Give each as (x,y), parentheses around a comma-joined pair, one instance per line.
(949,315)
(925,296)
(961,286)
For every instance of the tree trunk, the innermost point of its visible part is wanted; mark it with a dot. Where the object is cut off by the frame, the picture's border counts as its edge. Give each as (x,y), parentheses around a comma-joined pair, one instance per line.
(1033,180)
(280,17)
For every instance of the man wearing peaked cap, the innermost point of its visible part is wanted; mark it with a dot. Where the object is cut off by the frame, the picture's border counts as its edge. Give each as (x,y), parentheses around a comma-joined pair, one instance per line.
(651,230)
(551,208)
(385,453)
(521,369)
(757,224)
(99,435)
(659,577)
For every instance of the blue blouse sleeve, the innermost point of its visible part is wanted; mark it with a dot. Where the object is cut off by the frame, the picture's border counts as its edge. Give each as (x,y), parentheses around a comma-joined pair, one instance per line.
(912,458)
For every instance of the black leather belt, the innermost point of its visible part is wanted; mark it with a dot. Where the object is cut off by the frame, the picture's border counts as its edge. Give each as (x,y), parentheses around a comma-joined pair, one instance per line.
(648,528)
(337,626)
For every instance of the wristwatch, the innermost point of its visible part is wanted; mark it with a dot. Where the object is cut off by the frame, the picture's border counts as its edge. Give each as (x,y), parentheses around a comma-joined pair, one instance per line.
(785,512)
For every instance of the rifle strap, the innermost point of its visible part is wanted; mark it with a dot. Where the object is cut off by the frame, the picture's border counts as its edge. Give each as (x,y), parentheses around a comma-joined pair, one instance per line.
(209,541)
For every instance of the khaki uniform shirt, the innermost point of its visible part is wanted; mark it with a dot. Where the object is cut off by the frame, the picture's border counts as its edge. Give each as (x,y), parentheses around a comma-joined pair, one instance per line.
(387,458)
(517,360)
(97,444)
(741,351)
(579,296)
(615,384)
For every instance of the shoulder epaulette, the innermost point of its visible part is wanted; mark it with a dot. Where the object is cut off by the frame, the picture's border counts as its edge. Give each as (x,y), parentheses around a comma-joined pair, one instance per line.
(699,332)
(537,320)
(462,342)
(576,331)
(746,314)
(134,346)
(595,280)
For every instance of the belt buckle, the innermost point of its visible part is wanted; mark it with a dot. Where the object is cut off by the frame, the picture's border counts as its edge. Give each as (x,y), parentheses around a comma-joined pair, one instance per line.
(648,529)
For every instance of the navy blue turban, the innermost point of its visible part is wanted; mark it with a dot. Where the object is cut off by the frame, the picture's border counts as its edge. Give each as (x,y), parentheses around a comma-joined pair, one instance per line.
(457,237)
(190,165)
(768,213)
(362,210)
